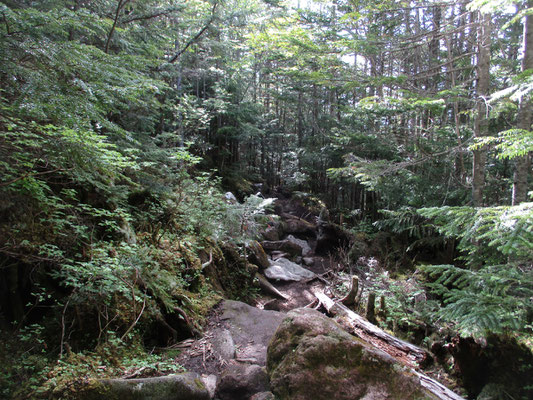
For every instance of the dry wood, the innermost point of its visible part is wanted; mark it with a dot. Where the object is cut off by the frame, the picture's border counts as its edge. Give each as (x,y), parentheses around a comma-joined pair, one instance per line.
(320,278)
(135,373)
(312,304)
(371,308)
(247,360)
(208,263)
(438,389)
(269,288)
(361,327)
(350,298)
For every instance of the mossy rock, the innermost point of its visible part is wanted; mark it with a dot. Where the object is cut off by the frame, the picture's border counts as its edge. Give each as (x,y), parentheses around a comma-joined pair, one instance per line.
(186,386)
(257,255)
(230,274)
(310,356)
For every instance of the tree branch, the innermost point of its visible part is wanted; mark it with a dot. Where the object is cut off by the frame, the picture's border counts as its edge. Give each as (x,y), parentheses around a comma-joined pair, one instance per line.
(120,6)
(145,17)
(30,174)
(197,36)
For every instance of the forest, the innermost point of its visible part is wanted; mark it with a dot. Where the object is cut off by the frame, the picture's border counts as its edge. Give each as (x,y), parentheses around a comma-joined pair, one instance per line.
(159,157)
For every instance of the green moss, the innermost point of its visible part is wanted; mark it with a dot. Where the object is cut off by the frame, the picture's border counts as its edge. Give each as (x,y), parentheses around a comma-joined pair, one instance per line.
(199,384)
(311,357)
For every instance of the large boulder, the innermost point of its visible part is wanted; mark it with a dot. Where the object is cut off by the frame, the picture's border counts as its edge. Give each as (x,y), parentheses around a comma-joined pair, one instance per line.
(251,329)
(285,246)
(186,386)
(241,381)
(306,249)
(311,357)
(298,225)
(285,270)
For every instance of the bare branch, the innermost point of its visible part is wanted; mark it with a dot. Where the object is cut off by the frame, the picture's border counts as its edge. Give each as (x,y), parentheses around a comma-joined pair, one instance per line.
(151,16)
(28,174)
(120,6)
(197,36)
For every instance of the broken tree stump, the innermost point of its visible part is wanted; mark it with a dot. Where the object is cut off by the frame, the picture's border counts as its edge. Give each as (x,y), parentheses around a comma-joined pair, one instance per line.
(382,310)
(351,298)
(370,307)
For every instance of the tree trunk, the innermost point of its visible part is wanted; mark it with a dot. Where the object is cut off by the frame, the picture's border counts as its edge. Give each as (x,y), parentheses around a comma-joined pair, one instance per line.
(523,164)
(481,124)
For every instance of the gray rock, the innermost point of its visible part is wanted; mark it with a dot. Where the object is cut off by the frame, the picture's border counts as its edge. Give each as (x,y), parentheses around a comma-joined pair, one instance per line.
(297,225)
(285,246)
(210,382)
(312,357)
(308,261)
(263,396)
(223,345)
(285,270)
(240,381)
(251,329)
(230,198)
(306,249)
(186,386)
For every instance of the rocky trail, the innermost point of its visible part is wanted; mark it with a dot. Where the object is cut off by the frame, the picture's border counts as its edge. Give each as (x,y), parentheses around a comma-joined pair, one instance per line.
(287,343)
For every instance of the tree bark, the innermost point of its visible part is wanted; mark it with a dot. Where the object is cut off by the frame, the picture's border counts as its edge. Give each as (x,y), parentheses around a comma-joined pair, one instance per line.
(523,164)
(481,124)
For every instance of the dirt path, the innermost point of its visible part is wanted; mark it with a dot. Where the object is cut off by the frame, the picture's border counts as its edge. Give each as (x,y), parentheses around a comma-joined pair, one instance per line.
(237,335)
(250,330)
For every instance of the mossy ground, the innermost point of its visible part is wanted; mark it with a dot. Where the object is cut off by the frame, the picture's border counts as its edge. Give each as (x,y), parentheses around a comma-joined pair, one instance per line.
(33,368)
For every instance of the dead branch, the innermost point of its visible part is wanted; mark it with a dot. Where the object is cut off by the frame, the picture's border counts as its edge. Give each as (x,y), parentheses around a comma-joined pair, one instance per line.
(134,373)
(197,36)
(269,288)
(208,263)
(136,320)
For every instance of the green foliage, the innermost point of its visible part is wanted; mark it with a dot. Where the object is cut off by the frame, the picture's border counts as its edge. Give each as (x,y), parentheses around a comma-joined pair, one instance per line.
(408,222)
(105,202)
(487,235)
(244,220)
(493,292)
(509,144)
(103,209)
(68,377)
(493,299)
(406,304)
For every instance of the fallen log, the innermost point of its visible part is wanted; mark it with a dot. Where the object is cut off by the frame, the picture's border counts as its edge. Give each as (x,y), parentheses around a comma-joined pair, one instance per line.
(269,288)
(398,349)
(437,388)
(361,327)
